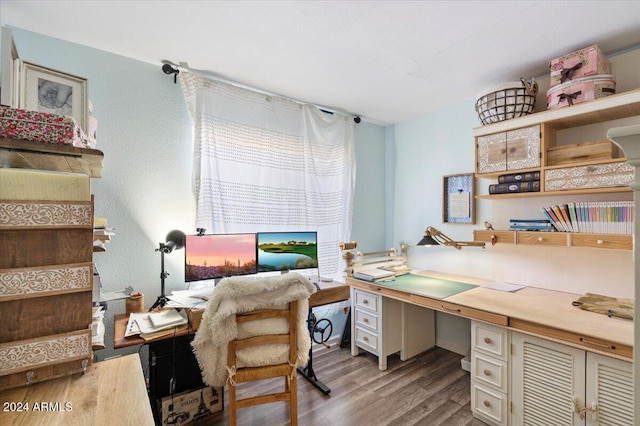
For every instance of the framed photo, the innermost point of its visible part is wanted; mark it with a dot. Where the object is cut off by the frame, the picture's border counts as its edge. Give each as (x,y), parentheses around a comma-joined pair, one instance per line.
(47,90)
(458,199)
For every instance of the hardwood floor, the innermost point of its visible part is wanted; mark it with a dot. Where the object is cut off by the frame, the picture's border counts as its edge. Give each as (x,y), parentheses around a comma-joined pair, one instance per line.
(430,389)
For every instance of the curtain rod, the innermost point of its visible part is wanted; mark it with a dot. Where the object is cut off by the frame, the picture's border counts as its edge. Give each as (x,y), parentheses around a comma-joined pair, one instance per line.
(169,67)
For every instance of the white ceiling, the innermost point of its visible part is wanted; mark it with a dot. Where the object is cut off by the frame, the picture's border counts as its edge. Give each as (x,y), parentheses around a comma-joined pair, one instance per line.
(387,61)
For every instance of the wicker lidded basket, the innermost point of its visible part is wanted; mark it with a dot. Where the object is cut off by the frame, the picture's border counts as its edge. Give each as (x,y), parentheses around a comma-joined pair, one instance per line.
(507,101)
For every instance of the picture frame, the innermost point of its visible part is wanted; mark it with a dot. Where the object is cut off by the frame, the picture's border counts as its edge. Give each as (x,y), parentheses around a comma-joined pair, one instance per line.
(458,199)
(44,89)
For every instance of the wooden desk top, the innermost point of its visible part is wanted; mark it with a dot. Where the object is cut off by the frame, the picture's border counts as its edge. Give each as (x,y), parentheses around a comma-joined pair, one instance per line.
(330,292)
(111,392)
(533,310)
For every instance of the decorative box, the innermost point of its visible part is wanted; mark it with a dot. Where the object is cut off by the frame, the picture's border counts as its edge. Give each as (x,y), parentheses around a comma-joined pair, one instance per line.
(191,406)
(593,176)
(580,90)
(602,149)
(41,127)
(581,63)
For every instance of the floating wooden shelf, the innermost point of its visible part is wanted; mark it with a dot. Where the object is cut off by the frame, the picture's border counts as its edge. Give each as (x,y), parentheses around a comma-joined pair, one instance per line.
(557,239)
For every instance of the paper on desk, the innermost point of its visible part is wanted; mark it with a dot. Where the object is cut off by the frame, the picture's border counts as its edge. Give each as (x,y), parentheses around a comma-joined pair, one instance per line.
(502,286)
(193,299)
(132,326)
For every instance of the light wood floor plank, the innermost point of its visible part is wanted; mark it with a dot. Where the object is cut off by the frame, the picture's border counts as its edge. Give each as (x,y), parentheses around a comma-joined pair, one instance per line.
(429,389)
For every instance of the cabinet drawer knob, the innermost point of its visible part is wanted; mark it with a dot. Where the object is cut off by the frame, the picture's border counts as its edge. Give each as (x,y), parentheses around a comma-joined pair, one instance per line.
(365,302)
(487,403)
(365,338)
(600,242)
(487,340)
(540,239)
(487,372)
(366,320)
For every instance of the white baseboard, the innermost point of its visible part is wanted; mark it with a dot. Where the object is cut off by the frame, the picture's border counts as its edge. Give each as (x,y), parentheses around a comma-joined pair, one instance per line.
(463,350)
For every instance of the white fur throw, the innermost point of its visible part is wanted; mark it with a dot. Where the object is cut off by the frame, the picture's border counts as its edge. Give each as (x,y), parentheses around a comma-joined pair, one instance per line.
(235,295)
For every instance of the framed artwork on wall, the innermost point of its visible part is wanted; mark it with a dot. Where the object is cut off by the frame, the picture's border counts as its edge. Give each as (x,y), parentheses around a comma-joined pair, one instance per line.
(47,90)
(458,199)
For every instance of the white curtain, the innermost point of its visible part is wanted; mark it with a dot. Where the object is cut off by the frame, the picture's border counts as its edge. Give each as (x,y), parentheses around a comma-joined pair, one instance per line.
(263,163)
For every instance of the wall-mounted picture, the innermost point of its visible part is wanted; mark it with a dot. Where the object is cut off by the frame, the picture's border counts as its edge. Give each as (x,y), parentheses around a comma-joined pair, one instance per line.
(458,199)
(47,90)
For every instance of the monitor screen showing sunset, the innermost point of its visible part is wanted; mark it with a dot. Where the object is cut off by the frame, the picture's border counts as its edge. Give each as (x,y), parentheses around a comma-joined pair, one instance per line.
(219,255)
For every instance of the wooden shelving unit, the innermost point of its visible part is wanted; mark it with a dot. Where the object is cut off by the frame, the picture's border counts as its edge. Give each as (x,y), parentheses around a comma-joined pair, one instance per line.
(609,108)
(48,257)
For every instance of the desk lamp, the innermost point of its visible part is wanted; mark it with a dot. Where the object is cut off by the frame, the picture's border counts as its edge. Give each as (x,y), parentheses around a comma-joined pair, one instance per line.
(434,237)
(175,240)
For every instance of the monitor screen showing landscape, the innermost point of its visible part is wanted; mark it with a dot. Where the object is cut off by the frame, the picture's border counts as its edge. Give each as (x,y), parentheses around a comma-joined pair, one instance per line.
(219,255)
(283,251)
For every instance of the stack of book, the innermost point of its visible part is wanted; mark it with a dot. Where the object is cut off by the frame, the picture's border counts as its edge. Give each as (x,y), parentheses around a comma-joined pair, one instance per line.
(101,234)
(598,217)
(531,225)
(516,182)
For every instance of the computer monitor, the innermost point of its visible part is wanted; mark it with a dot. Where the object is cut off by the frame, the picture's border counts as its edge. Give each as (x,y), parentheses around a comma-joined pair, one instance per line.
(214,256)
(284,251)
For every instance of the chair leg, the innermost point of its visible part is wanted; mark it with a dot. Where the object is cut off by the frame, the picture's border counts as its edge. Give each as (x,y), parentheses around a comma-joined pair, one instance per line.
(293,401)
(232,405)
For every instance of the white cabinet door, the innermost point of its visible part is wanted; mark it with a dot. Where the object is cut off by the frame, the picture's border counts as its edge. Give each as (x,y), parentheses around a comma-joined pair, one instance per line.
(609,391)
(545,379)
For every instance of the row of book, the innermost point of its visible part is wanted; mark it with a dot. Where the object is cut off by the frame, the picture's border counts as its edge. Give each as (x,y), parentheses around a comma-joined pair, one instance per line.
(516,182)
(598,217)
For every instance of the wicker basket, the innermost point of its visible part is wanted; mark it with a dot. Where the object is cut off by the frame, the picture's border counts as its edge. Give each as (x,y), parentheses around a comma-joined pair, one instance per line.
(508,101)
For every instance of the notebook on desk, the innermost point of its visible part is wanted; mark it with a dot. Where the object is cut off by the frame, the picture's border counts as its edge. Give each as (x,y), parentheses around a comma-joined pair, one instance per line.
(372,274)
(166,318)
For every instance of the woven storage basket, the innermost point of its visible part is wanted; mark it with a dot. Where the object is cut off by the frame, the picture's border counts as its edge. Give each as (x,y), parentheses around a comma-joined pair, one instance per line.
(507,101)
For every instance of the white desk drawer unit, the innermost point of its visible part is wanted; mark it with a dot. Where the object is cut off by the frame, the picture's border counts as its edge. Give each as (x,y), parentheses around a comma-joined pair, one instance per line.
(490,339)
(488,404)
(367,341)
(381,338)
(368,301)
(489,372)
(367,320)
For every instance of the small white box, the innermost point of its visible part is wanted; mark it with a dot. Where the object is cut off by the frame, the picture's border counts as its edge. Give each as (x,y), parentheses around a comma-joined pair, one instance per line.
(465,363)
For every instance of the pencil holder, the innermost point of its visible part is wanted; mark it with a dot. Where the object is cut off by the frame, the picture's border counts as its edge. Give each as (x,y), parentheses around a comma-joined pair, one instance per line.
(135,303)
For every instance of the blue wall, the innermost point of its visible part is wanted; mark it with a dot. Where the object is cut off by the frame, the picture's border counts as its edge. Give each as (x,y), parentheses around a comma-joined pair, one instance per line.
(145,133)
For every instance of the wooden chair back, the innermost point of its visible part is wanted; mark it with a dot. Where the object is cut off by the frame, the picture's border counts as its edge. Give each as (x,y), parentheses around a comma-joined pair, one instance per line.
(285,370)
